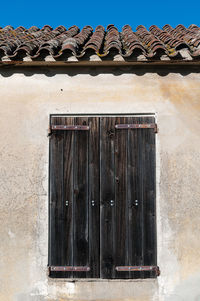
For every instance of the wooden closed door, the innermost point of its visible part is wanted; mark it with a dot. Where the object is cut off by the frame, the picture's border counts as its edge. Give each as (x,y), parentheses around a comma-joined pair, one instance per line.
(127,213)
(102,197)
(74,197)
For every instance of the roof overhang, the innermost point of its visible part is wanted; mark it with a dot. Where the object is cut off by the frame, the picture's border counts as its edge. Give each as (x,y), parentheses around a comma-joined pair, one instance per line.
(108,63)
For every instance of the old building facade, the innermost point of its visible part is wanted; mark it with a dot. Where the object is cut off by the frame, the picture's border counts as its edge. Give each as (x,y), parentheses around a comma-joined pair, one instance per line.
(45,73)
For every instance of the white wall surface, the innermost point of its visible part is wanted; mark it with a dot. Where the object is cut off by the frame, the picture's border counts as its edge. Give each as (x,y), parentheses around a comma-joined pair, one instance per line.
(26,101)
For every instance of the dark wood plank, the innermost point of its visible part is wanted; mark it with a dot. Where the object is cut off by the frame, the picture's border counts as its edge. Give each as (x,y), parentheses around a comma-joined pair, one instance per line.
(68,197)
(80,208)
(107,207)
(141,158)
(149,185)
(56,199)
(121,256)
(94,199)
(135,197)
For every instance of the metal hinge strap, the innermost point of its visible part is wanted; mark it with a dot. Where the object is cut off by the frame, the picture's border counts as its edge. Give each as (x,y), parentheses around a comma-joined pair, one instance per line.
(138,269)
(138,126)
(69,269)
(70,127)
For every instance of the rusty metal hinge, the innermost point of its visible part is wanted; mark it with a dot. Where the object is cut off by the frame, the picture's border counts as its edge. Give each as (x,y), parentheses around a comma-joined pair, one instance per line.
(68,269)
(138,126)
(138,269)
(67,128)
(70,127)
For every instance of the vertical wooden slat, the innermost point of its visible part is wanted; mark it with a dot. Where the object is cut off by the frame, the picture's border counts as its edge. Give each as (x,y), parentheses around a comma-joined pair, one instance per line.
(107,186)
(141,168)
(94,199)
(135,198)
(68,197)
(56,198)
(80,208)
(149,178)
(121,202)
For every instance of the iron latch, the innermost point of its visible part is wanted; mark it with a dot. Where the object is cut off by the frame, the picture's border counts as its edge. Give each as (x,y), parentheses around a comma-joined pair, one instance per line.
(138,269)
(138,126)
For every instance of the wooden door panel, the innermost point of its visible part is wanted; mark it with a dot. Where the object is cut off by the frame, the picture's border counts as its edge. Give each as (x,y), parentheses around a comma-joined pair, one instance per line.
(107,193)
(94,198)
(80,183)
(102,197)
(74,184)
(58,212)
(128,236)
(149,194)
(121,256)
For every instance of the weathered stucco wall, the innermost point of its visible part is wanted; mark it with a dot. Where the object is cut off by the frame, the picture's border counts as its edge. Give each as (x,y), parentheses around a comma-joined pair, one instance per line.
(26,101)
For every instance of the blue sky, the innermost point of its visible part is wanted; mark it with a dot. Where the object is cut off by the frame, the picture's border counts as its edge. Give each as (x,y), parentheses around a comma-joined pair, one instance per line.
(80,13)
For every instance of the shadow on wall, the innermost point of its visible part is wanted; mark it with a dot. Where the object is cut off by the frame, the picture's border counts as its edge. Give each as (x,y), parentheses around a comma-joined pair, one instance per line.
(184,70)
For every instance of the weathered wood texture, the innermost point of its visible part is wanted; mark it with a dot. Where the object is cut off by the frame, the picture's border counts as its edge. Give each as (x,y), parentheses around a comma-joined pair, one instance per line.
(57,223)
(74,197)
(68,196)
(107,192)
(102,197)
(121,201)
(80,172)
(94,198)
(141,195)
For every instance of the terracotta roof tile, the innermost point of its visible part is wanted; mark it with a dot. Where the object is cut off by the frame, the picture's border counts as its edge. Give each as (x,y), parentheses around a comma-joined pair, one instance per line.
(95,42)
(61,43)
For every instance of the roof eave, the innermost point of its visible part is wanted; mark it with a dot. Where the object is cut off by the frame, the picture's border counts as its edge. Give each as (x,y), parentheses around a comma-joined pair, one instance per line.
(107,63)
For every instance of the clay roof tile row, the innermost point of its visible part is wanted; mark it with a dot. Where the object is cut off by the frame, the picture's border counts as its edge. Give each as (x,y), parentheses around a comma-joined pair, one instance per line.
(60,42)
